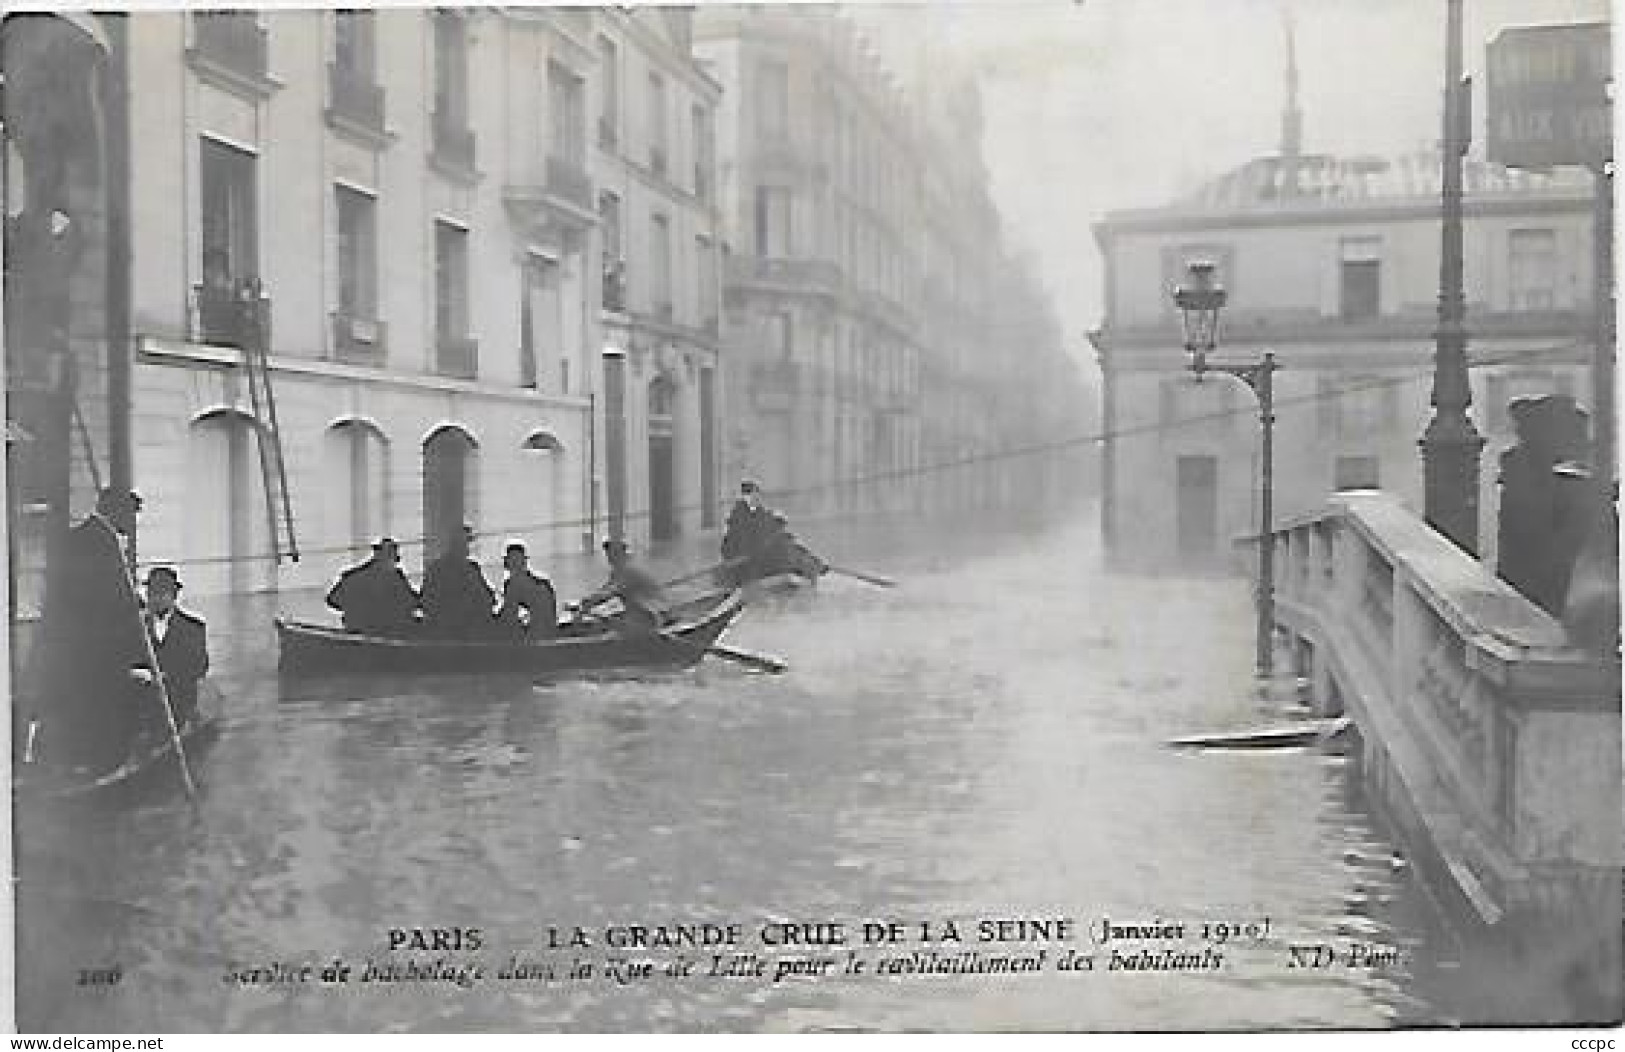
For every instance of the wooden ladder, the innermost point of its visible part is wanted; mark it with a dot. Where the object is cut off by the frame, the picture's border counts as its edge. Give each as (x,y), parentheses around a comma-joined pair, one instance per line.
(255,320)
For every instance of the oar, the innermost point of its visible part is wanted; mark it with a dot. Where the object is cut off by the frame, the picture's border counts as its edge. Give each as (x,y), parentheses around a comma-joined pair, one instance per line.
(760,662)
(713,568)
(874,579)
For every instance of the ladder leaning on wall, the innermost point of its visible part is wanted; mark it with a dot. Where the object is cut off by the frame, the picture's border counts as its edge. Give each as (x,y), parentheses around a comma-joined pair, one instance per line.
(255,330)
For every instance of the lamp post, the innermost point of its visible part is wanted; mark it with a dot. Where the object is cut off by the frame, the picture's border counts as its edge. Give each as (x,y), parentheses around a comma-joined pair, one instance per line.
(1200,300)
(1451,444)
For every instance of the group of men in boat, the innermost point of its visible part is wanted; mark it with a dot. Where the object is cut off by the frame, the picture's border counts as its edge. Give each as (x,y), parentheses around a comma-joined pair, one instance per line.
(456,601)
(121,666)
(757,543)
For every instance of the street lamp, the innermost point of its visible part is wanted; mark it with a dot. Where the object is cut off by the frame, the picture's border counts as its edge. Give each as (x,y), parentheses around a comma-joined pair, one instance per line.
(1199,301)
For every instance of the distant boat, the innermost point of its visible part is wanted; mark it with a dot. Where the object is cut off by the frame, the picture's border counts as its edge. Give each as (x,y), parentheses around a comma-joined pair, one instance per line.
(312,649)
(1313,732)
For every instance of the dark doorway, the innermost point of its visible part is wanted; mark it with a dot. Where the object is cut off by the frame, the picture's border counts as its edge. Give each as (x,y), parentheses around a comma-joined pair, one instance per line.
(1198,508)
(446,471)
(662,462)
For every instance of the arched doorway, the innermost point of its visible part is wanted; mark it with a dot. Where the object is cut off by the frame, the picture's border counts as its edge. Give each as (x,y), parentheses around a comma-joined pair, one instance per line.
(449,491)
(662,460)
(225,528)
(544,479)
(357,497)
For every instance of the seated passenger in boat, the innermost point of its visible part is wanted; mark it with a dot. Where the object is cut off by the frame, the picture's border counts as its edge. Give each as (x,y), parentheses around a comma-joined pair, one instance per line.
(642,598)
(747,538)
(457,599)
(374,597)
(529,607)
(180,641)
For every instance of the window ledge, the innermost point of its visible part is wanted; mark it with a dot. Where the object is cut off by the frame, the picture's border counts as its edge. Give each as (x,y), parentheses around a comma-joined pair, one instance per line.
(376,137)
(456,171)
(252,86)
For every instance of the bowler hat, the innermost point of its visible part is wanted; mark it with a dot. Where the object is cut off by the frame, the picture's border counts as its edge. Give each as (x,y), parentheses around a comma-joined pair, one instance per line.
(748,486)
(615,544)
(163,575)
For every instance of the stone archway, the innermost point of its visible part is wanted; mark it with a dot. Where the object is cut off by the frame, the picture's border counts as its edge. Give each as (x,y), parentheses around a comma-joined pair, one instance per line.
(450,486)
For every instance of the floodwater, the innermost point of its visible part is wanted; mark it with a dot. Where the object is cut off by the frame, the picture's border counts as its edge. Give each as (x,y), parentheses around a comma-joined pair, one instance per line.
(985,742)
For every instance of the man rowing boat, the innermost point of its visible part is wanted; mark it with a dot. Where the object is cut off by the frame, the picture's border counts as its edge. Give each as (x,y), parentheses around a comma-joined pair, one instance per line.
(642,597)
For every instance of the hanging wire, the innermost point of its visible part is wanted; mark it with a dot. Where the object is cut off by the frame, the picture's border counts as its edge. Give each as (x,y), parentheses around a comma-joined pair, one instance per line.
(938,467)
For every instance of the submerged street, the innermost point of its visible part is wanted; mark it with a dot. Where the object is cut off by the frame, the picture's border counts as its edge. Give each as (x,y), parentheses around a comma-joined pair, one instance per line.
(985,741)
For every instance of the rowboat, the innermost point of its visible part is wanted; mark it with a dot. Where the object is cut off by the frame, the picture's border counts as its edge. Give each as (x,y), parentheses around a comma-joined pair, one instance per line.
(152,759)
(594,646)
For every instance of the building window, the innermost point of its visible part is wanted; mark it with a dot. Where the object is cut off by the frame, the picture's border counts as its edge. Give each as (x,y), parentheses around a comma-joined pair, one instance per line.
(780,327)
(773,222)
(357,254)
(609,111)
(452,138)
(705,263)
(540,319)
(609,222)
(229,229)
(657,123)
(234,40)
(450,282)
(229,234)
(705,153)
(1361,278)
(1355,472)
(773,101)
(660,265)
(566,95)
(353,79)
(1532,269)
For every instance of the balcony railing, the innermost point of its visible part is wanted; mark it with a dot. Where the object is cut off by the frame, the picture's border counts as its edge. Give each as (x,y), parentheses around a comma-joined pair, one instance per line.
(355,96)
(453,141)
(360,341)
(457,357)
(222,316)
(233,41)
(567,179)
(797,273)
(614,288)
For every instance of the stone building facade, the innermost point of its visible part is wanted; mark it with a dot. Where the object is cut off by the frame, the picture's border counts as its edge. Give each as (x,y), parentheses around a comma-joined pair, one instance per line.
(418,192)
(863,286)
(1333,264)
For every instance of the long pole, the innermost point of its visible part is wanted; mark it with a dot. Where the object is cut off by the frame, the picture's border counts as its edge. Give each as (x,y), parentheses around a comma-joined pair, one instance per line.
(1451,444)
(116,118)
(1602,362)
(1266,536)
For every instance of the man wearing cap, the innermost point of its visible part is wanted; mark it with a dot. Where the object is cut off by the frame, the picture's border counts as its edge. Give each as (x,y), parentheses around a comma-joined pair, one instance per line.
(179,639)
(530,608)
(374,597)
(457,599)
(641,595)
(749,526)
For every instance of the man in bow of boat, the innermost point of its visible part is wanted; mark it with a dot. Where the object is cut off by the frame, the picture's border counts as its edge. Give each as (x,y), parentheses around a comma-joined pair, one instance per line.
(94,645)
(374,597)
(180,640)
(529,605)
(457,599)
(641,596)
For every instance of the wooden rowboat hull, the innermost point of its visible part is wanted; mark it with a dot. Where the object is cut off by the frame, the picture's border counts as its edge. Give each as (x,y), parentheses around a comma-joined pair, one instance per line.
(41,781)
(311,649)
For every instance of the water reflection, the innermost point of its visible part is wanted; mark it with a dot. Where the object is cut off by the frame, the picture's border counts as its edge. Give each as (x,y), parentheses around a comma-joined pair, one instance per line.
(985,741)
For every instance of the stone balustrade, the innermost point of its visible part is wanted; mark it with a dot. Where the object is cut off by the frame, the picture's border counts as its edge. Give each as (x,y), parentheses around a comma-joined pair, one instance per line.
(1493,743)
